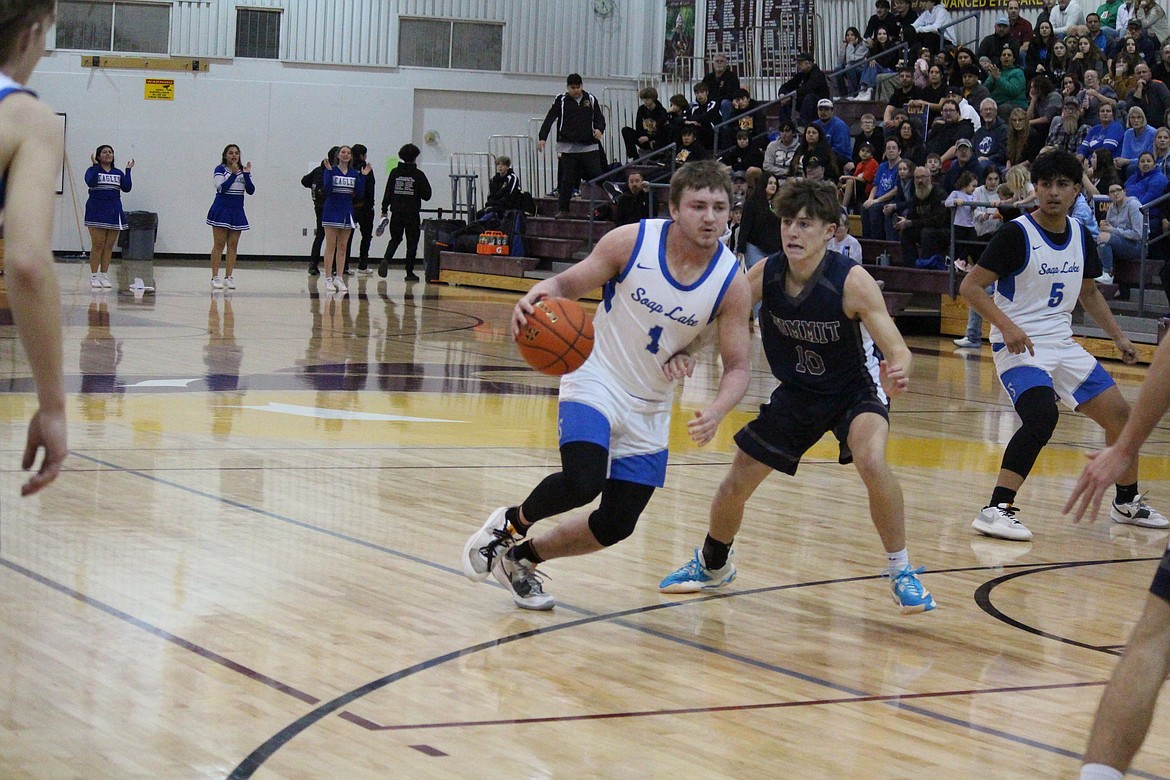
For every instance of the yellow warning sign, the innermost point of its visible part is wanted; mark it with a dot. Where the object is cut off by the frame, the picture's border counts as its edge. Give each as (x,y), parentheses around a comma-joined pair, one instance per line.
(160,89)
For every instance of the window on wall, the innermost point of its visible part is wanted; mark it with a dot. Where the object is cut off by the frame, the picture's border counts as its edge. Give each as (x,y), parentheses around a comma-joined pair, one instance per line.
(429,43)
(92,25)
(258,33)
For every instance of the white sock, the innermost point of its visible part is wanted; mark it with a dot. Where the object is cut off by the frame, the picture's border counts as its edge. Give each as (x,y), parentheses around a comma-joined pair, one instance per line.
(1100,772)
(896,561)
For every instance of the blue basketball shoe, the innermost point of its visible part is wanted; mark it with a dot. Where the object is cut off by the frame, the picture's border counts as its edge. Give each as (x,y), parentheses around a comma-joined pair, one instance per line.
(909,593)
(694,576)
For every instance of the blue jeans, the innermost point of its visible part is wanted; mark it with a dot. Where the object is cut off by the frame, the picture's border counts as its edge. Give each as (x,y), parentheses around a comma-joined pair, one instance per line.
(752,254)
(1117,246)
(975,321)
(875,224)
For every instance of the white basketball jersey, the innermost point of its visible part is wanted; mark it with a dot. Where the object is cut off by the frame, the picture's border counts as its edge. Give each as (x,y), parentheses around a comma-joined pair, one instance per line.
(1041,296)
(647,316)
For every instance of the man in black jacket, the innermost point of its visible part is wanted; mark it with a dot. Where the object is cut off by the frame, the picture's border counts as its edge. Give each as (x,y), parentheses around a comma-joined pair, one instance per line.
(650,126)
(810,85)
(925,227)
(313,182)
(634,204)
(580,125)
(363,211)
(503,189)
(722,82)
(406,189)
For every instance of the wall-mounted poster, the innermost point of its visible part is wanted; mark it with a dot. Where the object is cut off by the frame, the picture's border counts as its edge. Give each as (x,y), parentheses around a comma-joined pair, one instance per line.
(680,36)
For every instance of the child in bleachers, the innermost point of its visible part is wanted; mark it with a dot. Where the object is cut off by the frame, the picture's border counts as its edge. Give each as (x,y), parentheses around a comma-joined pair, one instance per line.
(843,242)
(855,186)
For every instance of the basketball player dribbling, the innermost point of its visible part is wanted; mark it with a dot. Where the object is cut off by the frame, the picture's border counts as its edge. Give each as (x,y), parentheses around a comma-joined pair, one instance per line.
(665,281)
(30,156)
(839,357)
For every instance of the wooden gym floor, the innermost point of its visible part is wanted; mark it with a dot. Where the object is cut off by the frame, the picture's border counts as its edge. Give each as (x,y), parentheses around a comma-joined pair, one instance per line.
(250,567)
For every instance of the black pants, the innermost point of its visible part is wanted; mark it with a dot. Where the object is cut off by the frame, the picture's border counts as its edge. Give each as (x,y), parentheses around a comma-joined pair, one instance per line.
(574,167)
(318,240)
(409,225)
(365,221)
(923,242)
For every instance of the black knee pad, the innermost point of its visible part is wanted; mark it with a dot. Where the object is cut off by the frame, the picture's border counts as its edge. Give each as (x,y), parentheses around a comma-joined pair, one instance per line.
(585,479)
(1039,413)
(621,506)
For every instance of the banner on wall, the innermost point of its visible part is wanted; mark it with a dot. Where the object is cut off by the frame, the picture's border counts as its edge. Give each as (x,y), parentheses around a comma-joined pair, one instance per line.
(680,36)
(728,24)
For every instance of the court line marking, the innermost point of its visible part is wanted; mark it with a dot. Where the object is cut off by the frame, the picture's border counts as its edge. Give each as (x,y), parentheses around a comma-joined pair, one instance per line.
(257,758)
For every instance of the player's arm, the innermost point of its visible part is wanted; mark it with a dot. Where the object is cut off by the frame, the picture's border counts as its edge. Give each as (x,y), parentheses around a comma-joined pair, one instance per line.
(1110,463)
(1096,307)
(1009,242)
(755,280)
(735,353)
(607,260)
(863,300)
(32,282)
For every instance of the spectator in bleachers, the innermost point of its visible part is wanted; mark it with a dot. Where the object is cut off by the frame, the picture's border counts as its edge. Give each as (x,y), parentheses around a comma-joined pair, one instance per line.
(1070,86)
(945,134)
(1019,179)
(885,53)
(649,132)
(746,114)
(903,94)
(973,90)
(1147,183)
(904,194)
(868,133)
(743,155)
(990,140)
(1138,43)
(851,63)
(1019,28)
(503,189)
(959,59)
(962,195)
(966,110)
(1106,134)
(678,110)
(1058,61)
(1041,49)
(924,227)
(1124,14)
(929,25)
(722,82)
(780,153)
(987,219)
(965,162)
(1000,39)
(1120,79)
(922,67)
(1152,97)
(910,141)
(932,95)
(1137,139)
(843,242)
(1099,33)
(1093,95)
(1066,14)
(1066,133)
(1120,232)
(809,84)
(689,148)
(759,230)
(1161,69)
(1162,150)
(1102,172)
(879,19)
(1152,17)
(704,113)
(875,221)
(856,185)
(1087,57)
(633,204)
(1106,15)
(1023,141)
(1044,103)
(835,129)
(814,144)
(580,125)
(1006,83)
(935,166)
(903,16)
(734,219)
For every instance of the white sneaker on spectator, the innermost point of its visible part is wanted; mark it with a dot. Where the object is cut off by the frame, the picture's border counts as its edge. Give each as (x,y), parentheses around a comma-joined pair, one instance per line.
(865,94)
(1105,278)
(966,343)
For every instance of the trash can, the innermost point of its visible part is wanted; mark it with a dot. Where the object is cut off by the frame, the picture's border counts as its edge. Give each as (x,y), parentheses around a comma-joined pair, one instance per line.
(432,244)
(136,271)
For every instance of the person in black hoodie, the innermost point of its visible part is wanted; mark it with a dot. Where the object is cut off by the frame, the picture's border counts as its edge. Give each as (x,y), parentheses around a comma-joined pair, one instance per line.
(406,189)
(650,126)
(313,182)
(743,155)
(503,189)
(363,212)
(580,125)
(810,85)
(634,204)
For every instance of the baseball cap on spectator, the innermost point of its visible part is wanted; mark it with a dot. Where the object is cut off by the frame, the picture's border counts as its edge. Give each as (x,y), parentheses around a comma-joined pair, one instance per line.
(1071,101)
(1134,23)
(963,142)
(972,69)
(739,176)
(1004,21)
(804,56)
(824,103)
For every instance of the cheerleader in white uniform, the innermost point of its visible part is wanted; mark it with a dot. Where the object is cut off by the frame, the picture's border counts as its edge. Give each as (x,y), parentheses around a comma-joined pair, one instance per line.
(103,211)
(342,185)
(226,216)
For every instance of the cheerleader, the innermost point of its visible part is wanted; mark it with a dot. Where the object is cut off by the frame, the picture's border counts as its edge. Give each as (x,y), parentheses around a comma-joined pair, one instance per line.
(342,186)
(226,216)
(103,211)
(29,155)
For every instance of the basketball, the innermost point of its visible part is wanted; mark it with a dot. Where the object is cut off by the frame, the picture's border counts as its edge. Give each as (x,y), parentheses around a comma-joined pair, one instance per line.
(557,338)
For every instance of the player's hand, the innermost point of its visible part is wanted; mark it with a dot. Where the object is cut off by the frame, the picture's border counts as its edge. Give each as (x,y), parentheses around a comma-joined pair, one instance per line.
(893,377)
(130,163)
(92,159)
(46,431)
(325,164)
(1016,341)
(1103,471)
(248,167)
(1129,354)
(597,134)
(702,429)
(367,170)
(523,308)
(680,366)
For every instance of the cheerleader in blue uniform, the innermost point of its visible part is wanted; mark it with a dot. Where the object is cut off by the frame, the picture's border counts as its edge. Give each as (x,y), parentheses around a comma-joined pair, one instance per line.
(103,211)
(226,216)
(342,186)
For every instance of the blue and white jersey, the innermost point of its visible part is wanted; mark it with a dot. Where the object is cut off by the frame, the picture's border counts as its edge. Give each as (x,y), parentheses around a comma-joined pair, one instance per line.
(7,87)
(1041,295)
(343,184)
(232,185)
(647,315)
